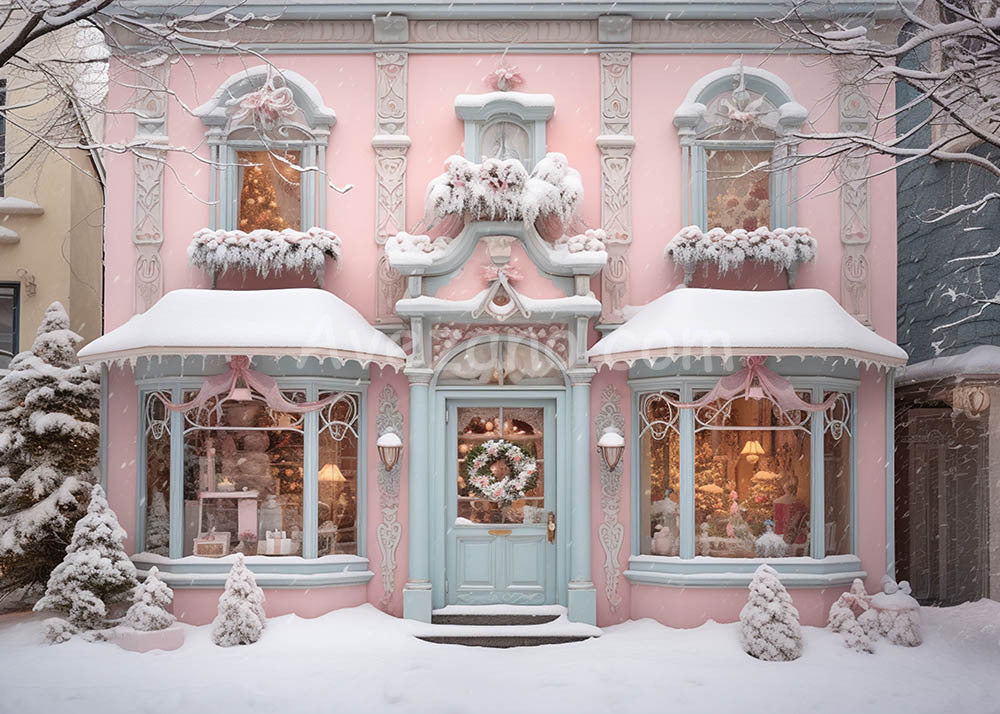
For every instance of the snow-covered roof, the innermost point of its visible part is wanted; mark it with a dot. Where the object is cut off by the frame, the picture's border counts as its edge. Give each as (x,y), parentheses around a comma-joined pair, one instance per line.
(703,322)
(981,360)
(301,322)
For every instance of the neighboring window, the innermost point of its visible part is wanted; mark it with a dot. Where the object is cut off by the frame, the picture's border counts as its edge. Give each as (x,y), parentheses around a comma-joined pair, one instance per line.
(753,478)
(268,134)
(505,125)
(3,139)
(9,324)
(736,128)
(243,478)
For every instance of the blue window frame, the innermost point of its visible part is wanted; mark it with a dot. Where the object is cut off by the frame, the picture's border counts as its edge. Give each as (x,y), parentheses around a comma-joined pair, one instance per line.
(10,307)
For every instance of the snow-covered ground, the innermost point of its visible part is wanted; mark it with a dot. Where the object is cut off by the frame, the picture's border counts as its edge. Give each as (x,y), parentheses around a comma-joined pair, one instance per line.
(361,660)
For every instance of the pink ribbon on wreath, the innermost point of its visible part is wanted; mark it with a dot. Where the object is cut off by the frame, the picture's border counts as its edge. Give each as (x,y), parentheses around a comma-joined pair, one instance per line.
(492,272)
(266,386)
(755,381)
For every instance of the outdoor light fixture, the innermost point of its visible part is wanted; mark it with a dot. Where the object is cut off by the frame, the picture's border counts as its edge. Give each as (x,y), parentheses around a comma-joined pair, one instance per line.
(612,446)
(753,451)
(389,446)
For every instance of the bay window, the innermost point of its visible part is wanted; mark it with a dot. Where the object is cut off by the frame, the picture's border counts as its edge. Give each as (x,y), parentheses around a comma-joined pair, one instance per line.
(249,478)
(742,478)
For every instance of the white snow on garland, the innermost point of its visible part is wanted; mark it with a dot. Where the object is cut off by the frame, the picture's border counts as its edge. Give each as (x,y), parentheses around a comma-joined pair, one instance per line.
(593,240)
(783,248)
(263,251)
(503,190)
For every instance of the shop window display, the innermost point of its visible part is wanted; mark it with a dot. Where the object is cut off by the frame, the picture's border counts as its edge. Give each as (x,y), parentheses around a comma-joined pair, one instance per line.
(659,446)
(338,478)
(738,187)
(243,490)
(157,449)
(837,477)
(270,191)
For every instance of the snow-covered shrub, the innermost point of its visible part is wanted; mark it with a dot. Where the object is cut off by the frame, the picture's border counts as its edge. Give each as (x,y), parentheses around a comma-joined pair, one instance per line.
(49,433)
(894,614)
(263,251)
(502,190)
(241,618)
(592,240)
(844,617)
(409,248)
(96,571)
(781,247)
(769,622)
(149,602)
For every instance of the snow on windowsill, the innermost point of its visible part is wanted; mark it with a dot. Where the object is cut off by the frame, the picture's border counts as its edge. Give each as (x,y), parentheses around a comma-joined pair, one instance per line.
(158,560)
(981,360)
(263,251)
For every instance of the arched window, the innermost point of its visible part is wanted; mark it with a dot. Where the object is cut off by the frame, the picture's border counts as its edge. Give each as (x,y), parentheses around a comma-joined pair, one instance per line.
(267,130)
(737,127)
(501,362)
(505,125)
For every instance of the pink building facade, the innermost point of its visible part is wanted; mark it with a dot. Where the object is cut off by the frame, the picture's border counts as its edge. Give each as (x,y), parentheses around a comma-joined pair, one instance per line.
(517,381)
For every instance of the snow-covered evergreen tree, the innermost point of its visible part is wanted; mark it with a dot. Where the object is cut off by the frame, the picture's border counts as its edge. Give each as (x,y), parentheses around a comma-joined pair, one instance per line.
(241,618)
(894,614)
(49,433)
(149,601)
(158,529)
(844,617)
(769,622)
(96,571)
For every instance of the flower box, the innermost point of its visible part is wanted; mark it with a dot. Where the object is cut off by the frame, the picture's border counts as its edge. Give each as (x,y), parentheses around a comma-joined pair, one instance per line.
(134,640)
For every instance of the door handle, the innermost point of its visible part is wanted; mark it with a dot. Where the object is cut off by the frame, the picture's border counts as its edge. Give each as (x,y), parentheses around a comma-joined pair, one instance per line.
(551,527)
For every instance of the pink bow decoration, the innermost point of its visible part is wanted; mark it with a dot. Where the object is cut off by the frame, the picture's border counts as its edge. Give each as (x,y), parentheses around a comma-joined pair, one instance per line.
(266,105)
(239,369)
(755,381)
(493,272)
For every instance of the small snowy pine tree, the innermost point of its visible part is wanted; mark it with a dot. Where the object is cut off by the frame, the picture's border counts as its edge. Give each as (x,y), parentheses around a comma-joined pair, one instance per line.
(96,571)
(844,620)
(158,530)
(49,432)
(241,618)
(769,623)
(149,600)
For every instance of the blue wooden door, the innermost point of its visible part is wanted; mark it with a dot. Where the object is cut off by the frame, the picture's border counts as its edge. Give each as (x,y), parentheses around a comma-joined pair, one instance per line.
(500,552)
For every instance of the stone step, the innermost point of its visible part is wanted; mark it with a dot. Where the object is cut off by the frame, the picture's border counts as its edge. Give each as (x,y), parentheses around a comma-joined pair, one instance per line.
(503,626)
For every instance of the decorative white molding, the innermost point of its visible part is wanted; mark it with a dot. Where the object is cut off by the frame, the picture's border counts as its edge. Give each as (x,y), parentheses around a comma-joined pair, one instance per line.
(855,193)
(505,32)
(147,217)
(615,29)
(615,144)
(390,530)
(611,532)
(391,144)
(446,336)
(391,29)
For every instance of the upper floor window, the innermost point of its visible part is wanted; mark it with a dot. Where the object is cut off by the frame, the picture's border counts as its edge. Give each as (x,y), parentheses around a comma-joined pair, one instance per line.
(737,129)
(505,125)
(267,130)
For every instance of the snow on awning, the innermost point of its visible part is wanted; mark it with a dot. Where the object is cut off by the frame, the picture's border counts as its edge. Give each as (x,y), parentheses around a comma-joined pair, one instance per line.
(298,322)
(980,361)
(702,322)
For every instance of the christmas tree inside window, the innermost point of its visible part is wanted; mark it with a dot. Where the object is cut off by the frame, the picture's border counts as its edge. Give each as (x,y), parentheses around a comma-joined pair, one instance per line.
(270,189)
(738,189)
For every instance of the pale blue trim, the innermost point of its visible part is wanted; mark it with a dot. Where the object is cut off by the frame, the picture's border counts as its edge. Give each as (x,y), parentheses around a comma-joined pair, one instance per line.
(817,475)
(580,474)
(737,572)
(419,483)
(890,473)
(281,573)
(310,477)
(635,474)
(686,484)
(176,477)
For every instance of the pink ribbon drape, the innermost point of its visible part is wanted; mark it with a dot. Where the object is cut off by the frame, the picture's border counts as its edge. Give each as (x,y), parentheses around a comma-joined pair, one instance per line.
(267,387)
(755,381)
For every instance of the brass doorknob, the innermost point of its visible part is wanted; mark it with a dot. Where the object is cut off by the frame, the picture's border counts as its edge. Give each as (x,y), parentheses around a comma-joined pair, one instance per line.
(552,527)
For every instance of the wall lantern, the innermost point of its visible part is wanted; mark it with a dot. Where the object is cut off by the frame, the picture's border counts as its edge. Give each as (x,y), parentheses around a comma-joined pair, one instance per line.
(753,451)
(612,446)
(389,446)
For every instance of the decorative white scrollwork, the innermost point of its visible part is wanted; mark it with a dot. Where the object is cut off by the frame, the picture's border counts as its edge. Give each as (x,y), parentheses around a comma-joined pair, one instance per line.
(611,532)
(390,530)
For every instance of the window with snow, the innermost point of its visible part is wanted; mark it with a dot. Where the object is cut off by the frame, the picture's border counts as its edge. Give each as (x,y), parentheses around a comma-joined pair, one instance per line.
(736,129)
(267,131)
(244,478)
(9,306)
(505,125)
(752,475)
